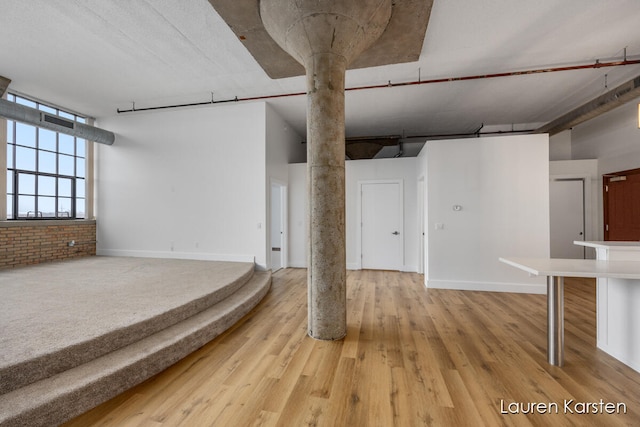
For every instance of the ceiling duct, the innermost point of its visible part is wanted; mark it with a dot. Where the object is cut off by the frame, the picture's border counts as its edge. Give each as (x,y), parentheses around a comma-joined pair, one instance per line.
(614,98)
(21,113)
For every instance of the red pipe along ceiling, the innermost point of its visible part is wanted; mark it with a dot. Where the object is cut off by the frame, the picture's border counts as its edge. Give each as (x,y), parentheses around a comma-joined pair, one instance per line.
(597,64)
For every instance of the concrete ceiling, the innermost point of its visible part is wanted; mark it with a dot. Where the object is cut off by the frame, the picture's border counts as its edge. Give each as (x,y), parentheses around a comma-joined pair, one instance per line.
(96,56)
(395,46)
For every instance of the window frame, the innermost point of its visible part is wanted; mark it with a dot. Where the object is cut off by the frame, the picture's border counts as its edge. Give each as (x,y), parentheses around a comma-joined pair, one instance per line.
(76,177)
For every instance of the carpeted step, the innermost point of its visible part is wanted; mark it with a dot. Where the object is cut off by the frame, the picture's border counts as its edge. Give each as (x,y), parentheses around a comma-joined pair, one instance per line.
(59,398)
(51,323)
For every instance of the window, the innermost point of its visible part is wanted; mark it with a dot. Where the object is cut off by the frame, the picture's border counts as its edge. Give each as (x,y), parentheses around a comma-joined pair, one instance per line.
(45,169)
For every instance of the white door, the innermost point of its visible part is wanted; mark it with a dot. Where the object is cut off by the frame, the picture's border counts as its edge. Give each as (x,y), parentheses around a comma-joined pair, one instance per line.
(566,217)
(277,227)
(381,224)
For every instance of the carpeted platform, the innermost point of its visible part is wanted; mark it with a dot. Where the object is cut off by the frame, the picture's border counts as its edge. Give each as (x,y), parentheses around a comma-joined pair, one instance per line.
(104,323)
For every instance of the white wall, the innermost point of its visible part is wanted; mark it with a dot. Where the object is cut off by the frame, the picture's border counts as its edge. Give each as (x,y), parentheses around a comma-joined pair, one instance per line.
(502,185)
(588,171)
(355,172)
(404,169)
(283,146)
(614,140)
(560,146)
(298,235)
(184,183)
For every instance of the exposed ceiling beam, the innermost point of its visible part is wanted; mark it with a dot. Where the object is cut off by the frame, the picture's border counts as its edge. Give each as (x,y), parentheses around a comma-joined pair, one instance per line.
(4,84)
(614,98)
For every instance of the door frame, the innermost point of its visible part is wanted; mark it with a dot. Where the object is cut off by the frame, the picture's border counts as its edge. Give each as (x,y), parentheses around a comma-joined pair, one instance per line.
(590,206)
(584,205)
(422,238)
(284,217)
(359,213)
(606,178)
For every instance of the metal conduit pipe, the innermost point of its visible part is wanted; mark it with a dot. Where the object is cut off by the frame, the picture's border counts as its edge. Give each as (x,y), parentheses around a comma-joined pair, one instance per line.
(390,84)
(21,113)
(600,105)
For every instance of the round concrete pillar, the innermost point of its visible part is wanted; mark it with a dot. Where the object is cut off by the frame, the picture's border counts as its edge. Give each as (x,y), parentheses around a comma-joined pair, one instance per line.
(324,36)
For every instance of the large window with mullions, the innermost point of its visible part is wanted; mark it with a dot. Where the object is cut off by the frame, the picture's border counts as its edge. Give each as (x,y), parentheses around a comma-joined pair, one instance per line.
(45,169)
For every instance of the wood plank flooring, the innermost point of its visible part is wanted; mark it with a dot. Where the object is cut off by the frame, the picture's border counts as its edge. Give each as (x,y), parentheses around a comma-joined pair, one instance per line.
(412,357)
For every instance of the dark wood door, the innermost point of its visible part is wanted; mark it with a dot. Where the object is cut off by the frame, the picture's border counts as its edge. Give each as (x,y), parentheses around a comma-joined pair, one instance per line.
(622,205)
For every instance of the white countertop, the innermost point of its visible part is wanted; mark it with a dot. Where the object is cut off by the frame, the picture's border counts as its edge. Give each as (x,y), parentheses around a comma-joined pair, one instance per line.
(576,267)
(622,246)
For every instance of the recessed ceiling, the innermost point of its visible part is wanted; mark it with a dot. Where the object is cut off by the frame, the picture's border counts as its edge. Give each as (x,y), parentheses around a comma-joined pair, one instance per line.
(401,41)
(93,57)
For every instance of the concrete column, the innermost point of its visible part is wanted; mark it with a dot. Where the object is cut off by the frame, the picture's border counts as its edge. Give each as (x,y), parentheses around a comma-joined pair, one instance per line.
(324,36)
(326,262)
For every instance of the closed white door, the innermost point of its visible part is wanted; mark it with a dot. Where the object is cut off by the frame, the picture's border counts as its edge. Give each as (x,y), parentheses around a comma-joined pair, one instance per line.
(566,217)
(277,227)
(381,223)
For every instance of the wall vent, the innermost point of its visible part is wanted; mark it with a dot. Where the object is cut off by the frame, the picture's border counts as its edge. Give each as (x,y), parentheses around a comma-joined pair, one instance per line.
(69,124)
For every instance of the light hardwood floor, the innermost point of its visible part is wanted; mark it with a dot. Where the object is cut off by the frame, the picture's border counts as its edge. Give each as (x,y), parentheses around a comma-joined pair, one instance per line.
(411,357)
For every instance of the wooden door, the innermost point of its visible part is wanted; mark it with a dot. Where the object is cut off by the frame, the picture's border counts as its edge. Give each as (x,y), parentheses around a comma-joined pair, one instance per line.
(621,202)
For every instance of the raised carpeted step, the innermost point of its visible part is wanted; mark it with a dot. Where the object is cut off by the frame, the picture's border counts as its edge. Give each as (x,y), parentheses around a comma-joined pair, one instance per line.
(59,398)
(52,320)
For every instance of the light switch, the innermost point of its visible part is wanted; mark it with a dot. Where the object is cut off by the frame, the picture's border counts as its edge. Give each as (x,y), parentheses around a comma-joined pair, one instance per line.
(439,226)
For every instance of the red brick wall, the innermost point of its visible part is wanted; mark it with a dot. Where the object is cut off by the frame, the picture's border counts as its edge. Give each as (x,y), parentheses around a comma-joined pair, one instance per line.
(30,242)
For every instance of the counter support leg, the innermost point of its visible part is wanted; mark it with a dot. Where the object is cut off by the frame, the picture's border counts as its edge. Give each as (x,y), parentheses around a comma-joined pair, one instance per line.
(555,320)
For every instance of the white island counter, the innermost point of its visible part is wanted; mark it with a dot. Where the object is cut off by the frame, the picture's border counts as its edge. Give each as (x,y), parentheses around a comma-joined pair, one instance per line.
(618,304)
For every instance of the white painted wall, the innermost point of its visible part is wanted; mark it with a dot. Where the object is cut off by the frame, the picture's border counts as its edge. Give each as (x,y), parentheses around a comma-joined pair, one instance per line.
(298,235)
(283,146)
(560,146)
(185,183)
(587,170)
(423,212)
(502,186)
(383,169)
(612,138)
(355,172)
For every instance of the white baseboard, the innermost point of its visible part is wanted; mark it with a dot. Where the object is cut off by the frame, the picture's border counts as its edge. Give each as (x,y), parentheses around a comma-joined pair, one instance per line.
(177,255)
(633,364)
(524,288)
(293,264)
(409,269)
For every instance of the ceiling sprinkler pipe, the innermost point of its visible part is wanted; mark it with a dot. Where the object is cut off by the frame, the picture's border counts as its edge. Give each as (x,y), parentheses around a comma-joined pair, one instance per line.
(390,84)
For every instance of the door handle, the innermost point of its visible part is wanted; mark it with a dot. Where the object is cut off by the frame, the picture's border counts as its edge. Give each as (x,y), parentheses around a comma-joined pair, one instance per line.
(395,233)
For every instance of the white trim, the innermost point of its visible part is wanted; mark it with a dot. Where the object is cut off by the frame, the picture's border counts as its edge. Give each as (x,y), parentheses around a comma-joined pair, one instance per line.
(633,364)
(422,235)
(524,288)
(589,232)
(284,212)
(409,269)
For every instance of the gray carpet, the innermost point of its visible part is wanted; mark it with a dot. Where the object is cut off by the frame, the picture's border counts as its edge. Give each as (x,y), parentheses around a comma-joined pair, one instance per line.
(76,333)
(59,315)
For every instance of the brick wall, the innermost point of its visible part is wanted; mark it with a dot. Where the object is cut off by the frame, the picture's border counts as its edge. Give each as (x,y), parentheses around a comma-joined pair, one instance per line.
(32,242)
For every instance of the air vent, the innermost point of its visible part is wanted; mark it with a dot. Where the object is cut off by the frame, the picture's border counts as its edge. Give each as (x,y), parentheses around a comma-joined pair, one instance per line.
(69,124)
